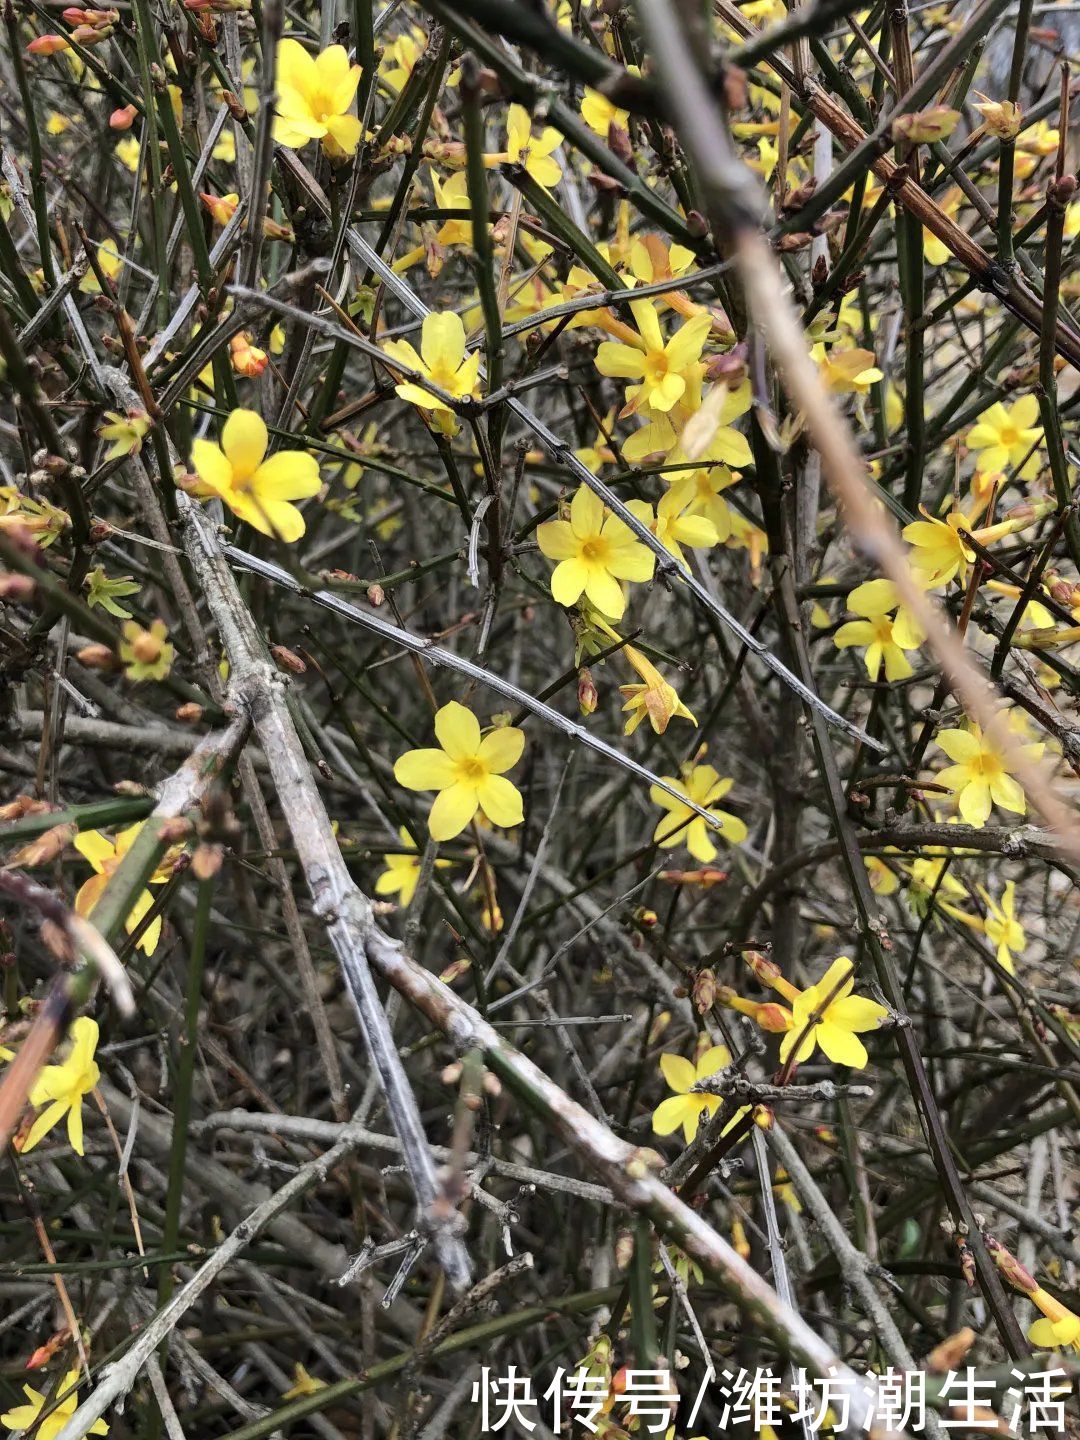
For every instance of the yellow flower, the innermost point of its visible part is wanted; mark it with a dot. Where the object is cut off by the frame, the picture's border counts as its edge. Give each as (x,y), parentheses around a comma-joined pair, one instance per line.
(303,1384)
(981,776)
(523,148)
(938,553)
(885,636)
(703,786)
(468,771)
(56,124)
(929,876)
(24,1417)
(147,654)
(652,260)
(654,698)
(220,207)
(936,251)
(126,432)
(111,264)
(451,195)
(60,1089)
(313,98)
(255,489)
(835,1024)
(707,495)
(600,113)
(661,366)
(403,871)
(678,521)
(443,361)
(1059,1329)
(1001,926)
(684,1108)
(400,57)
(882,879)
(1004,434)
(105,855)
(225,149)
(128,152)
(595,552)
(1040,139)
(1035,617)
(846,372)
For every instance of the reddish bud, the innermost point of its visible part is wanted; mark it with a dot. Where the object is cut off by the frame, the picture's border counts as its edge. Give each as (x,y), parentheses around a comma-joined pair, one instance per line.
(47,45)
(123,119)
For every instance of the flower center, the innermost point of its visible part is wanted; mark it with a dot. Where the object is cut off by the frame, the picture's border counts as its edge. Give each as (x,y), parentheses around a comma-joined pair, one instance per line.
(883,630)
(471,770)
(987,764)
(656,366)
(594,550)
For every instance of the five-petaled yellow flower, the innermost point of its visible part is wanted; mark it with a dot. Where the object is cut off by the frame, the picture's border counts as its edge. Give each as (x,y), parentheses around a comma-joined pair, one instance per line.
(1001,926)
(24,1417)
(938,550)
(847,372)
(703,786)
(403,870)
(105,855)
(833,1023)
(595,551)
(981,776)
(443,361)
(1005,434)
(60,1088)
(684,1108)
(256,489)
(314,93)
(886,636)
(468,772)
(679,521)
(662,366)
(600,113)
(532,152)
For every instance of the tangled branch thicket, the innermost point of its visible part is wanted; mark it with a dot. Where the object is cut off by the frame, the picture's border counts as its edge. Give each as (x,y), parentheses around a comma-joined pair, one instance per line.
(540,588)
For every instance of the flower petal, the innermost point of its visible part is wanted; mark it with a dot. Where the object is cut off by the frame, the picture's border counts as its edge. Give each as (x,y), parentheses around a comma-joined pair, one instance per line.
(500,801)
(425,770)
(244,441)
(679,1072)
(841,1046)
(501,750)
(452,811)
(442,341)
(670,1114)
(457,731)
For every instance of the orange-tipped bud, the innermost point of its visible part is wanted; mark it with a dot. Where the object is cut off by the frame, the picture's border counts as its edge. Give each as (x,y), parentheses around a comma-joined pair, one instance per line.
(47,45)
(247,359)
(91,34)
(222,207)
(96,657)
(123,119)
